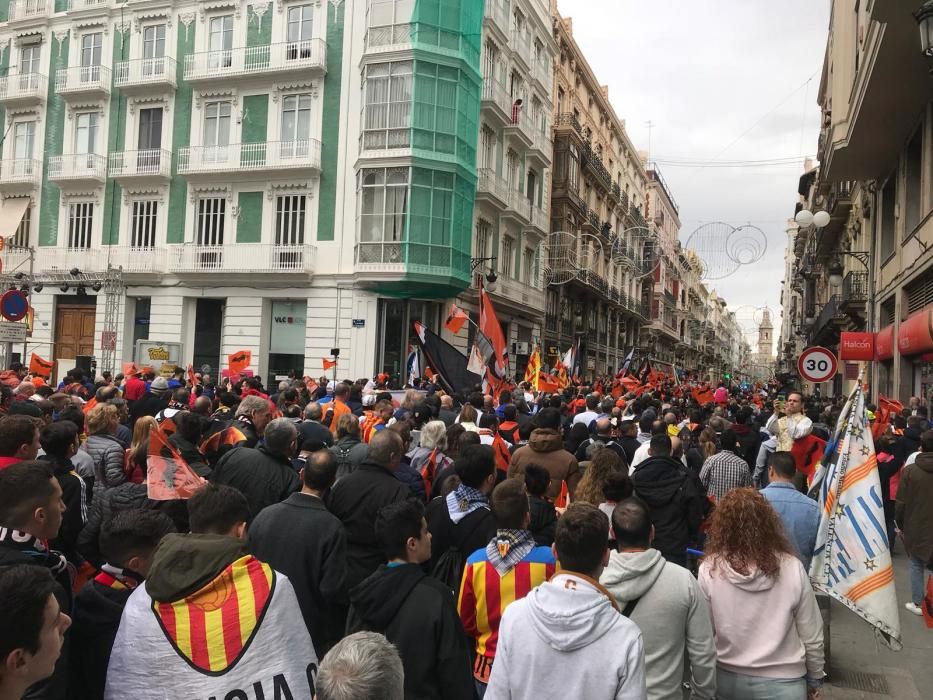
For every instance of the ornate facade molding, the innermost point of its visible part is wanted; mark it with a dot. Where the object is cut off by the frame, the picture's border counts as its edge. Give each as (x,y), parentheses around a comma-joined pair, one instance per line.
(213,95)
(259,11)
(60,36)
(143,102)
(282,89)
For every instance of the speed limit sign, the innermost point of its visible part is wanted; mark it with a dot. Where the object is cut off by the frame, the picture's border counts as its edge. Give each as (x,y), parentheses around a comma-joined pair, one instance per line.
(817,365)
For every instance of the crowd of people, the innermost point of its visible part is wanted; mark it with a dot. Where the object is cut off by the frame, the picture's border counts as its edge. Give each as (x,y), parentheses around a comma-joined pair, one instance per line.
(346,542)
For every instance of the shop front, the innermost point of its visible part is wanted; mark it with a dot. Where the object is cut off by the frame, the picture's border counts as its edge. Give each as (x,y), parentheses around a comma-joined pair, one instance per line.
(287,339)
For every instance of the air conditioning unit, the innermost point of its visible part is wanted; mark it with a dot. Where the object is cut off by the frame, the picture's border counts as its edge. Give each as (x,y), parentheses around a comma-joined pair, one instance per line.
(520,349)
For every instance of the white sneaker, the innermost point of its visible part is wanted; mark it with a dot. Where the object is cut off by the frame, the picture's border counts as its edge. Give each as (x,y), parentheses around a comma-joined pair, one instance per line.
(914,608)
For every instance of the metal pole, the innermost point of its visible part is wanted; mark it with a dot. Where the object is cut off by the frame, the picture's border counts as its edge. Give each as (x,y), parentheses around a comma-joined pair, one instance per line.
(32,260)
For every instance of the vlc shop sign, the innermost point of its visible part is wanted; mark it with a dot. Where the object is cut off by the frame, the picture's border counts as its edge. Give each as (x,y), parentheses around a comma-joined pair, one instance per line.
(856,346)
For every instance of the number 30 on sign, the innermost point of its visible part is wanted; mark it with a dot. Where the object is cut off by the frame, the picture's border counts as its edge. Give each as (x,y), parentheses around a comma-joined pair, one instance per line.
(817,365)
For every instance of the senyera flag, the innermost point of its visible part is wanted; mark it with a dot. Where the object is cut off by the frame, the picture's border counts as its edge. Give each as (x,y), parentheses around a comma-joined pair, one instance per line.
(533,370)
(168,476)
(448,363)
(852,559)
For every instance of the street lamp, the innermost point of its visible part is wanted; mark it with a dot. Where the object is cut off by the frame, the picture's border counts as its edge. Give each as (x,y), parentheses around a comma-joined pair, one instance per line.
(806,218)
(491,276)
(924,17)
(835,274)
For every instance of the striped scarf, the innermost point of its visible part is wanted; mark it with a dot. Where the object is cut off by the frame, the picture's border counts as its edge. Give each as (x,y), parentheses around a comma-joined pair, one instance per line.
(463,501)
(508,548)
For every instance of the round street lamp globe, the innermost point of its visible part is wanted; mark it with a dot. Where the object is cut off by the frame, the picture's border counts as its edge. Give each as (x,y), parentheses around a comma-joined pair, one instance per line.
(804,217)
(821,219)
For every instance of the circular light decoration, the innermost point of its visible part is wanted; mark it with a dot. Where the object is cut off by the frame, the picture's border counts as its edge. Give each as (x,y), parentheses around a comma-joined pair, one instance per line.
(710,243)
(746,245)
(557,249)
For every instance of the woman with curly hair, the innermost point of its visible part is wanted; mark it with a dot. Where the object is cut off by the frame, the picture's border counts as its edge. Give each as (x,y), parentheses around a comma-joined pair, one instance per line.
(590,488)
(768,628)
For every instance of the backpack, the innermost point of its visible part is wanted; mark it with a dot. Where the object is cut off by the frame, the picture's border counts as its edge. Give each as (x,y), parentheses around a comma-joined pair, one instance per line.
(344,465)
(449,567)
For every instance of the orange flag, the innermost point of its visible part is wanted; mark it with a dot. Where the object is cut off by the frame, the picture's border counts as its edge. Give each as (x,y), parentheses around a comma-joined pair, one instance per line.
(328,364)
(456,319)
(41,367)
(168,476)
(548,383)
(489,326)
(239,361)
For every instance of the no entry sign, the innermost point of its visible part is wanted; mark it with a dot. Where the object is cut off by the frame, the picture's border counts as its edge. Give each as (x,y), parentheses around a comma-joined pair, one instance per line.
(817,365)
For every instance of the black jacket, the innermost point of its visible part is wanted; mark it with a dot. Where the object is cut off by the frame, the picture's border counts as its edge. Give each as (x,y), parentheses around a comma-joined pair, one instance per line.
(749,439)
(308,544)
(419,616)
(94,626)
(55,687)
(471,533)
(543,520)
(355,500)
(76,493)
(127,496)
(261,476)
(630,446)
(675,502)
(149,405)
(314,434)
(190,453)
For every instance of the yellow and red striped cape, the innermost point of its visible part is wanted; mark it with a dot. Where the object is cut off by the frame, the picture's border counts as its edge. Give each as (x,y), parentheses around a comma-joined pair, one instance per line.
(370,426)
(213,627)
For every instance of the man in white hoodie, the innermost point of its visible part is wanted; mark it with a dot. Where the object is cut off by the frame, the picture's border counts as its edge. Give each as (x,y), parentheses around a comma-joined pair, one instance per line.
(665,602)
(567,635)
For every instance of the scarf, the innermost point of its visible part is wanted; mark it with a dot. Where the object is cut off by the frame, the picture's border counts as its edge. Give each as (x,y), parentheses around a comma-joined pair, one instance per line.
(117,578)
(508,548)
(33,548)
(464,500)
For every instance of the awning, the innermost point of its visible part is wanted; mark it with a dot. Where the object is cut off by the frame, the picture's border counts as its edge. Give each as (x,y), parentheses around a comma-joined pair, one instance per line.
(884,343)
(915,335)
(11,213)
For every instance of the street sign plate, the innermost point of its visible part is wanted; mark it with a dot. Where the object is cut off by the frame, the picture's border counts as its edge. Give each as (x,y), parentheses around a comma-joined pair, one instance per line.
(14,305)
(11,332)
(817,365)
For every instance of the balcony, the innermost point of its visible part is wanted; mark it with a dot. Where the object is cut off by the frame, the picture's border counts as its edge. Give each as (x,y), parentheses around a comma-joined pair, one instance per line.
(242,258)
(24,172)
(138,261)
(15,258)
(78,168)
(511,291)
(143,74)
(30,11)
(153,163)
(83,81)
(247,158)
(519,207)
(823,330)
(520,127)
(492,188)
(496,102)
(24,89)
(271,59)
(521,48)
(567,121)
(540,220)
(87,5)
(541,146)
(855,296)
(496,15)
(594,164)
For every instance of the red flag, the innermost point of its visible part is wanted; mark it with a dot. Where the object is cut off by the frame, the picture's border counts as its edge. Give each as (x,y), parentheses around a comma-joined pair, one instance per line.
(501,452)
(489,326)
(328,364)
(428,472)
(547,383)
(630,383)
(616,391)
(456,319)
(40,367)
(168,476)
(703,396)
(239,361)
(807,452)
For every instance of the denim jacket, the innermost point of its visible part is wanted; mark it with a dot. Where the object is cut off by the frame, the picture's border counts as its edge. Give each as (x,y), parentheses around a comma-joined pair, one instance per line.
(800,515)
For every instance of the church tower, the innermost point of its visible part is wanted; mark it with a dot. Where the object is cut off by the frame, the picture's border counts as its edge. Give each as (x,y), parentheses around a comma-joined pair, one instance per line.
(765,347)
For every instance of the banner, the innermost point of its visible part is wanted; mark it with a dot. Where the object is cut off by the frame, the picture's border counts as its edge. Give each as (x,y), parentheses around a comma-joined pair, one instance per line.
(852,561)
(239,361)
(456,320)
(40,367)
(328,364)
(533,370)
(489,326)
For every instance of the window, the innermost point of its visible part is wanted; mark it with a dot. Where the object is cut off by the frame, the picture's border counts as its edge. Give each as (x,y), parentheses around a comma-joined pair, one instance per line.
(487,140)
(490,62)
(216,131)
(530,267)
(24,143)
(886,219)
(211,219)
(387,110)
(511,169)
(290,219)
(20,238)
(91,48)
(220,42)
(86,124)
(389,22)
(914,182)
(80,224)
(573,169)
(29,59)
(296,125)
(434,124)
(298,32)
(508,255)
(383,204)
(143,223)
(532,186)
(483,235)
(153,50)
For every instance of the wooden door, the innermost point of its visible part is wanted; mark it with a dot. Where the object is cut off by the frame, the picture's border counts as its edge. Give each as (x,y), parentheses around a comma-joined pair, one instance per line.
(74,331)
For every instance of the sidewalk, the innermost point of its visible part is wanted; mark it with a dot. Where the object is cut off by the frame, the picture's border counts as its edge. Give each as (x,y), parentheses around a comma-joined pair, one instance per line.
(861,668)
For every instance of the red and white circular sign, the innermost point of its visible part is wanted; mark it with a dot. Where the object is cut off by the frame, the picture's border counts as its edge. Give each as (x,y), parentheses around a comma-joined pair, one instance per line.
(817,365)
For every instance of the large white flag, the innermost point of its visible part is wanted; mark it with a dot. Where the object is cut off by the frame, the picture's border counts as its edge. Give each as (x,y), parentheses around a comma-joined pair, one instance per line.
(852,561)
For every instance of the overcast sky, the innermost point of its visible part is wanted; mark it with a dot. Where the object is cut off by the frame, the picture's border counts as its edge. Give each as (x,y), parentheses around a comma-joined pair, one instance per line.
(719,80)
